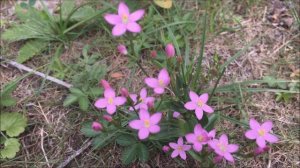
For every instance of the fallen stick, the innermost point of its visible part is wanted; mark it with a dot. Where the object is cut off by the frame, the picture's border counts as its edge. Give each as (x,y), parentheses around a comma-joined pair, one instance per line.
(27,69)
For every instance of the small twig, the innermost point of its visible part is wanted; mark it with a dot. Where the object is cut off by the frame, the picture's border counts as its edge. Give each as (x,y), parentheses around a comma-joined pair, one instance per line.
(86,144)
(27,69)
(42,147)
(284,44)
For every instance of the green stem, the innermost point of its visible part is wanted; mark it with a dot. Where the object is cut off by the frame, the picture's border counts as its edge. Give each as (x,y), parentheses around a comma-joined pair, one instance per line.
(136,57)
(3,135)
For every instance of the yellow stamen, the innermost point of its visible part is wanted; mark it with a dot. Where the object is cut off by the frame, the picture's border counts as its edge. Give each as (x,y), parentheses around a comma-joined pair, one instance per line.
(200,138)
(222,147)
(161,82)
(179,148)
(147,123)
(124,18)
(110,100)
(141,100)
(261,132)
(200,103)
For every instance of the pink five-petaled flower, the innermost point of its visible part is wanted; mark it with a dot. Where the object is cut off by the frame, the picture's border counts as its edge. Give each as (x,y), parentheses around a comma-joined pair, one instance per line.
(160,83)
(222,148)
(143,100)
(261,133)
(124,20)
(110,101)
(198,103)
(146,124)
(200,137)
(179,148)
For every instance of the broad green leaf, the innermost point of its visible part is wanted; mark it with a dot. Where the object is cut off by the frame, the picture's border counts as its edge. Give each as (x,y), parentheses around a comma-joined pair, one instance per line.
(143,152)
(125,140)
(9,87)
(88,131)
(67,7)
(7,101)
(77,92)
(104,139)
(83,13)
(13,123)
(83,103)
(11,147)
(129,154)
(30,49)
(71,99)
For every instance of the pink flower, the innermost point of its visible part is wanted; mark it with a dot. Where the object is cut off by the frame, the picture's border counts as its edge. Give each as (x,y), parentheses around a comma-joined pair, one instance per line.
(143,100)
(110,101)
(122,49)
(222,148)
(107,118)
(261,133)
(179,149)
(105,84)
(165,148)
(97,126)
(200,137)
(198,103)
(170,51)
(160,83)
(176,114)
(124,92)
(124,20)
(146,124)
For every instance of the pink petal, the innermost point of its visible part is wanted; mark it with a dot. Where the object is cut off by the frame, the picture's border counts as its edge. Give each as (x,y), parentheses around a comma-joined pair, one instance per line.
(190,105)
(118,30)
(261,142)
(207,108)
(228,157)
(137,15)
(151,82)
(193,96)
(159,90)
(155,118)
(111,109)
(143,133)
(109,93)
(175,153)
(251,134)
(224,139)
(133,97)
(101,103)
(232,148)
(164,75)
(213,143)
(136,124)
(271,138)
(180,141)
(113,19)
(197,147)
(182,155)
(143,93)
(144,114)
(254,124)
(204,97)
(199,113)
(134,27)
(123,9)
(173,145)
(198,129)
(154,129)
(142,106)
(176,114)
(190,138)
(119,101)
(267,125)
(212,133)
(186,147)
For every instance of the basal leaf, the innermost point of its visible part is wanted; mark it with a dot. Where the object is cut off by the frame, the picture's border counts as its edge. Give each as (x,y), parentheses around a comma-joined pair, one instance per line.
(143,152)
(70,100)
(125,140)
(83,103)
(88,131)
(7,101)
(11,147)
(129,155)
(13,123)
(31,49)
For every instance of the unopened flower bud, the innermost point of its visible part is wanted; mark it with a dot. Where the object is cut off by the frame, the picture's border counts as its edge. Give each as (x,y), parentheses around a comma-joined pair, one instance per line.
(96,126)
(170,50)
(105,84)
(218,159)
(122,49)
(260,150)
(179,59)
(165,148)
(150,104)
(107,118)
(176,114)
(124,92)
(153,54)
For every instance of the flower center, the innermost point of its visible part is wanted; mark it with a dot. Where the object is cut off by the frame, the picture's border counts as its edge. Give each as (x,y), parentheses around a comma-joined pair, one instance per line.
(200,103)
(179,148)
(110,100)
(261,132)
(200,138)
(161,82)
(124,18)
(147,123)
(222,147)
(141,100)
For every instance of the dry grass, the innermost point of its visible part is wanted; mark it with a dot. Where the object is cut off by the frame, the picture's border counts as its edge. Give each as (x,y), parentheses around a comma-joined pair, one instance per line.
(54,131)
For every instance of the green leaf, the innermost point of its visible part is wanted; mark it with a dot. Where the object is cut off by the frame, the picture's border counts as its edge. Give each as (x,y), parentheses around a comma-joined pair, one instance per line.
(9,87)
(83,13)
(30,49)
(11,147)
(104,139)
(7,101)
(143,152)
(13,123)
(77,92)
(125,140)
(66,8)
(71,99)
(270,80)
(83,103)
(129,154)
(88,131)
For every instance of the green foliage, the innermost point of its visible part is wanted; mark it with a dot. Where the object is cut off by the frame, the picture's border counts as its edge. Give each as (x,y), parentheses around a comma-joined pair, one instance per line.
(88,131)
(77,96)
(12,123)
(30,49)
(129,154)
(5,94)
(126,140)
(11,147)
